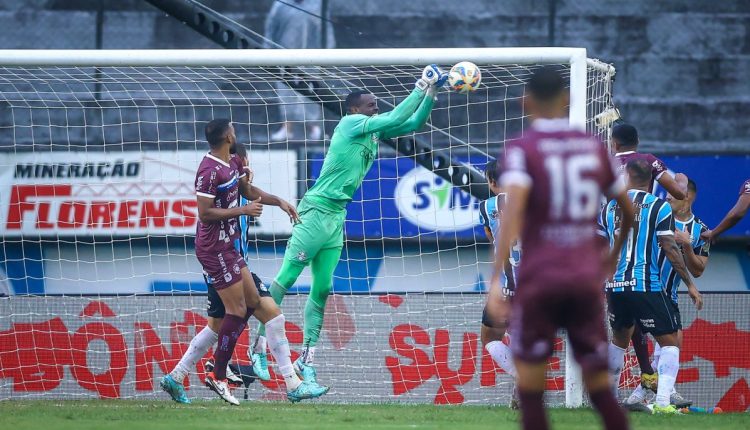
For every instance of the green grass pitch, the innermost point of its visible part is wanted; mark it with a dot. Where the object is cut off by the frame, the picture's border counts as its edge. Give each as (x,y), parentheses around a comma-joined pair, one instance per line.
(206,415)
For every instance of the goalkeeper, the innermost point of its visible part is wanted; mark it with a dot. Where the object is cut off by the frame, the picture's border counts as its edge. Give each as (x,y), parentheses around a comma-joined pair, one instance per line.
(318,239)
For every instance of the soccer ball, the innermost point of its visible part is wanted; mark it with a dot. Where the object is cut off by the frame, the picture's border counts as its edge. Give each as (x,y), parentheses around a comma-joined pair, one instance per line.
(464,77)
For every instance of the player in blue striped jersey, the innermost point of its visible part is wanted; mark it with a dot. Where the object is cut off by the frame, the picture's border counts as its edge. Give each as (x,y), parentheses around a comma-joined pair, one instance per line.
(496,313)
(636,292)
(688,230)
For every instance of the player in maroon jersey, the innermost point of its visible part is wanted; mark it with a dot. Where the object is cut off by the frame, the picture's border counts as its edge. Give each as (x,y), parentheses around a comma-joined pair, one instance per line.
(217,188)
(555,176)
(734,216)
(625,141)
(220,179)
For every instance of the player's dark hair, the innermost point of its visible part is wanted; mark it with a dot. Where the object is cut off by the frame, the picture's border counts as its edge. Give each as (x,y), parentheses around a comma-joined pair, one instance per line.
(639,171)
(352,100)
(491,170)
(216,129)
(546,83)
(625,134)
(692,186)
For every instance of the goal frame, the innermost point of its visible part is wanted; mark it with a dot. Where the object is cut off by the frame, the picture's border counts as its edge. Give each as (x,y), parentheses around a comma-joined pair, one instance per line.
(576,58)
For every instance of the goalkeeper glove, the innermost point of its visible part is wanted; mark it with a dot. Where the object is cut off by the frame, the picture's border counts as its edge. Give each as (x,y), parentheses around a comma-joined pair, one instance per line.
(433,89)
(431,75)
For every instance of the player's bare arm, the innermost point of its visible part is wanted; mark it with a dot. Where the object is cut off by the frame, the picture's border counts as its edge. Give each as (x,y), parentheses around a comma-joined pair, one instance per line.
(512,222)
(488,234)
(674,255)
(626,223)
(252,193)
(207,213)
(676,186)
(696,264)
(731,219)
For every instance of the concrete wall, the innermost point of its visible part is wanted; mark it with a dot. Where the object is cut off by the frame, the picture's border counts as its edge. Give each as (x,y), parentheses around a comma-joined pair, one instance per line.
(682,65)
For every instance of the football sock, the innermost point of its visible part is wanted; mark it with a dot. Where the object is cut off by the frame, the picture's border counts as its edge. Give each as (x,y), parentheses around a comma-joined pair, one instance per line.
(230,331)
(500,352)
(261,345)
(616,357)
(322,267)
(657,353)
(669,366)
(640,345)
(280,350)
(533,415)
(199,346)
(606,405)
(313,322)
(308,355)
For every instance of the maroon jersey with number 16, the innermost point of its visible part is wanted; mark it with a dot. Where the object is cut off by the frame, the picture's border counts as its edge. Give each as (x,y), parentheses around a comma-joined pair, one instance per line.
(560,276)
(568,171)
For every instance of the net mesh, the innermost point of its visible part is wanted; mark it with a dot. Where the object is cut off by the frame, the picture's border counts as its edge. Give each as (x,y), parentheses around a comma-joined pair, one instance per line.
(98,216)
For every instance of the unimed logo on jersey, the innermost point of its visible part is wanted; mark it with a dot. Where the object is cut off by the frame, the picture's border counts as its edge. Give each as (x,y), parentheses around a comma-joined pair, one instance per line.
(429,201)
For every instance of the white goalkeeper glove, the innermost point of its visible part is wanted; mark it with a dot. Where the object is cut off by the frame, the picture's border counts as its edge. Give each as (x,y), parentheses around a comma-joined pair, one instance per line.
(431,76)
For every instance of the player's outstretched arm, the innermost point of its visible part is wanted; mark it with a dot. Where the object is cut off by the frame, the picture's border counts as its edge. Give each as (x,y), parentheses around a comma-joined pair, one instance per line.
(672,251)
(431,75)
(414,123)
(208,214)
(734,216)
(676,186)
(251,192)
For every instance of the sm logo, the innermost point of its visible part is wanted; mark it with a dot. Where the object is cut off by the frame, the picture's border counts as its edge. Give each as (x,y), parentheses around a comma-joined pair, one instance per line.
(429,201)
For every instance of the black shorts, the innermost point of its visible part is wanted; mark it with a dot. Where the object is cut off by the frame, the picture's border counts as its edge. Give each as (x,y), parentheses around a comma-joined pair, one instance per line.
(677,313)
(654,312)
(215,308)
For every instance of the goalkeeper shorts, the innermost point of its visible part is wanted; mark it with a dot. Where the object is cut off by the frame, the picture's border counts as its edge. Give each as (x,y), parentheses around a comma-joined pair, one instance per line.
(318,230)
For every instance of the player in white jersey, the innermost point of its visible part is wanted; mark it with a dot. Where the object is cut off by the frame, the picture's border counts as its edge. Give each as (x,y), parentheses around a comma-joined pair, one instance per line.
(496,313)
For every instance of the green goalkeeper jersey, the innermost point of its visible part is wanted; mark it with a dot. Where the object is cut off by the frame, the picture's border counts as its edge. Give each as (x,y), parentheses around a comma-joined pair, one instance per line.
(354,146)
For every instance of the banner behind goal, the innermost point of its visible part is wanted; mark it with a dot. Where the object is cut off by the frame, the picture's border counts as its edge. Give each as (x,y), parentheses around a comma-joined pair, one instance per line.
(98,153)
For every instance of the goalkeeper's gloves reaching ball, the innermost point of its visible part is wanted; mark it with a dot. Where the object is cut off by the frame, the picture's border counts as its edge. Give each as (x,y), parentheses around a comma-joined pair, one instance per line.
(432,76)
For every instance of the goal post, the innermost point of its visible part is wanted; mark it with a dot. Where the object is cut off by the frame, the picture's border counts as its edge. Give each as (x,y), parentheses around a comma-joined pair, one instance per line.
(98,150)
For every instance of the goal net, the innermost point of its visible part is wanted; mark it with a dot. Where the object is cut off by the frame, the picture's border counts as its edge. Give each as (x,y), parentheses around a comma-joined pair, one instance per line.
(98,154)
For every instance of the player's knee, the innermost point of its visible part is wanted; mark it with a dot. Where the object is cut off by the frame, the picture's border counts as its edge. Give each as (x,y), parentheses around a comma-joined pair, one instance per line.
(214,324)
(320,292)
(252,301)
(493,321)
(670,339)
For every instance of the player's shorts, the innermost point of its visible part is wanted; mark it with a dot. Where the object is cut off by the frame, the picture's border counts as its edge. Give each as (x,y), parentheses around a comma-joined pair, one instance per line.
(577,306)
(215,308)
(318,230)
(654,312)
(223,267)
(676,310)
